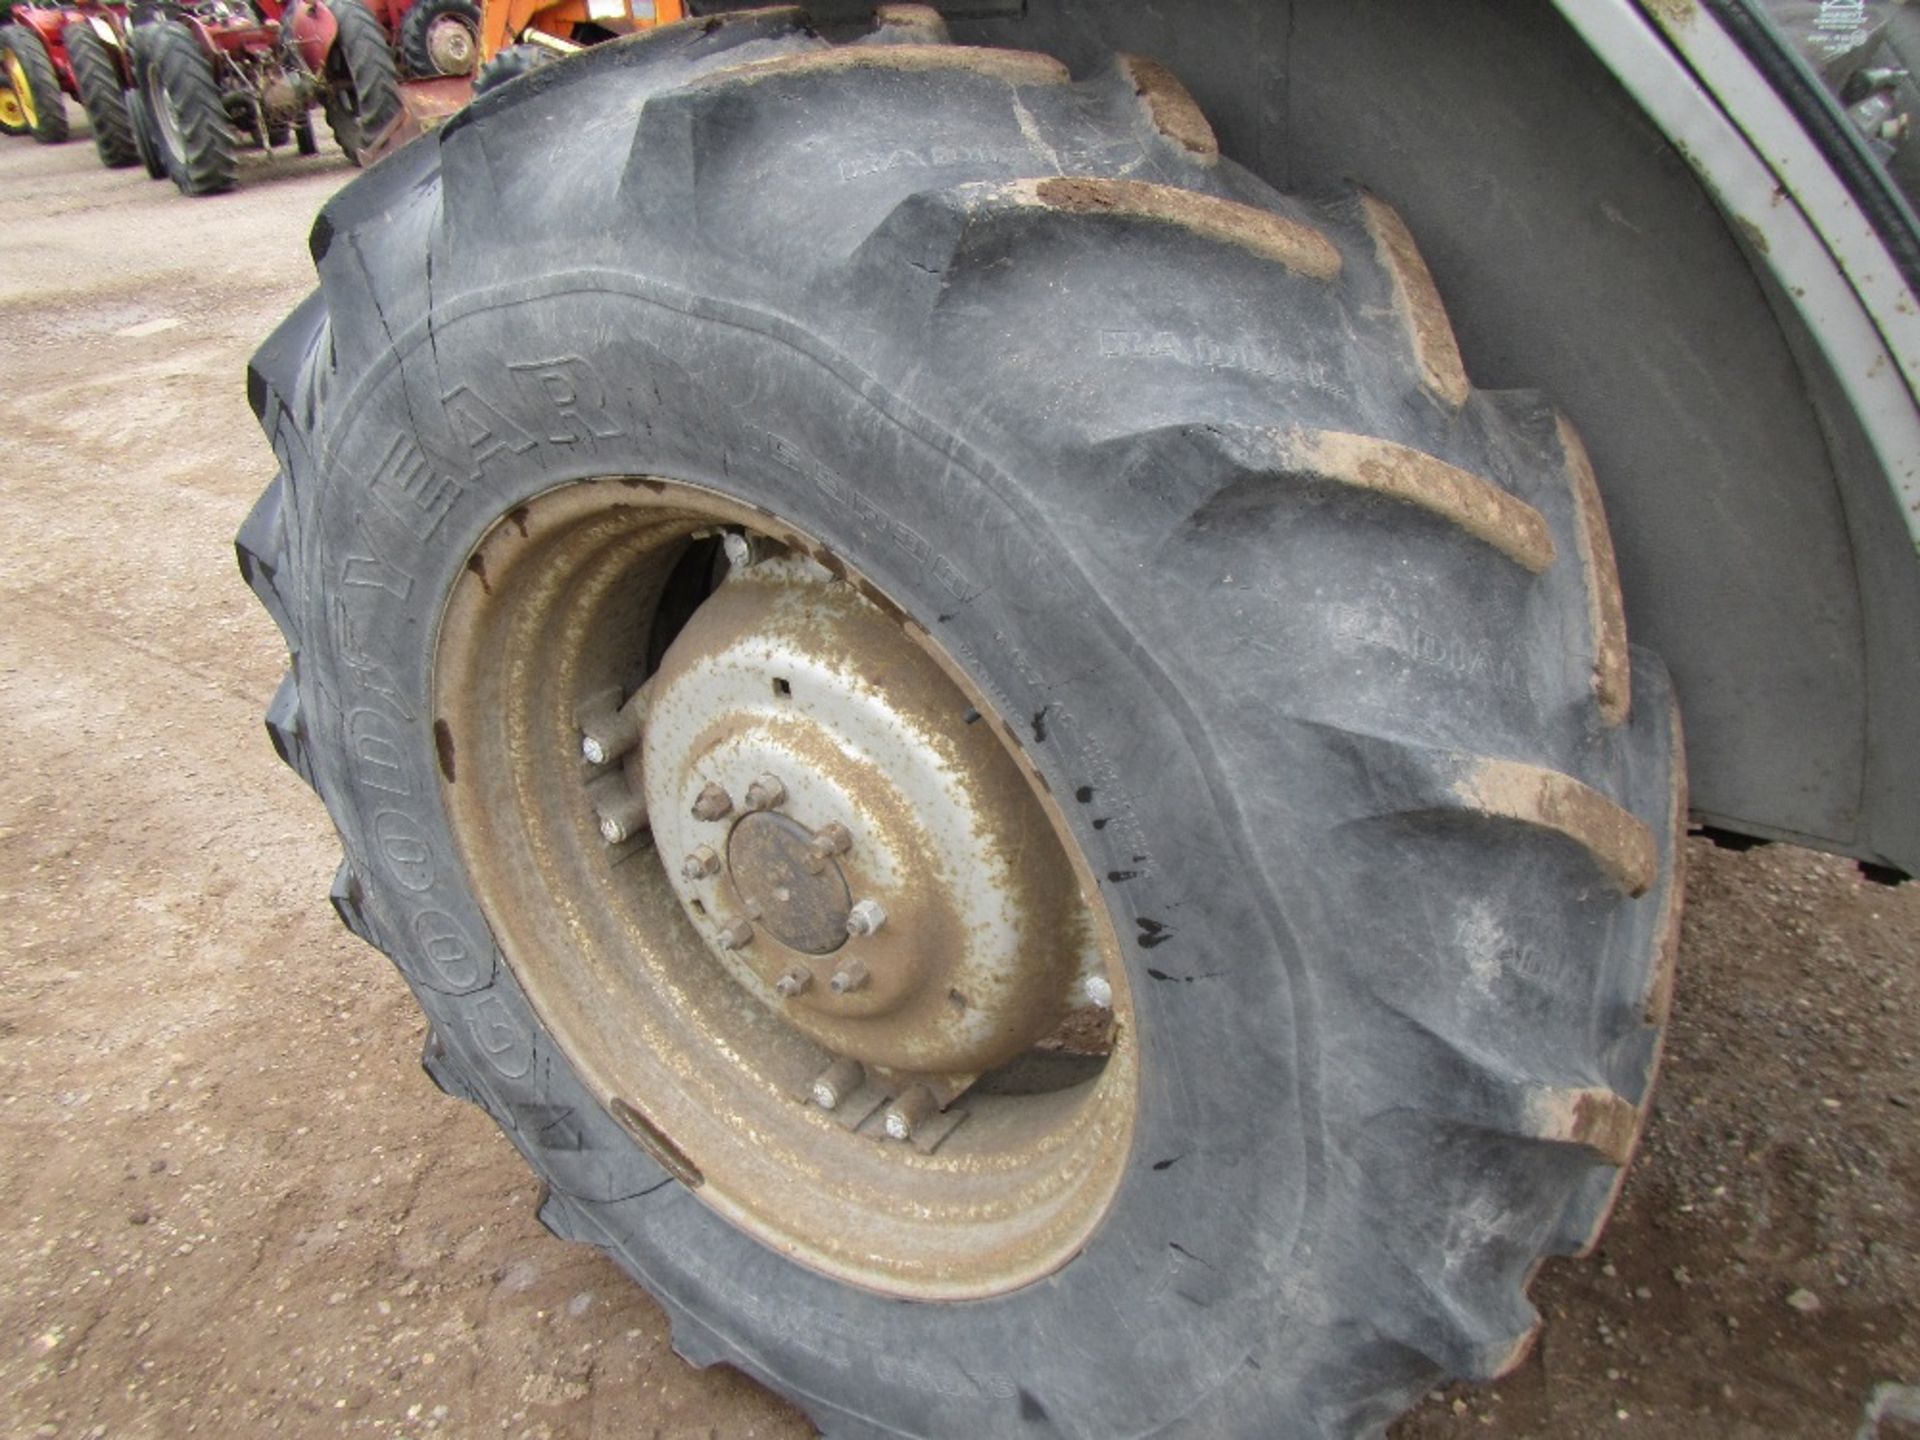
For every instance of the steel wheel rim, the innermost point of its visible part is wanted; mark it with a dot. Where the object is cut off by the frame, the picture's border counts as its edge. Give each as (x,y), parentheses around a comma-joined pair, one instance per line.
(22,90)
(451,45)
(13,115)
(685,1042)
(166,118)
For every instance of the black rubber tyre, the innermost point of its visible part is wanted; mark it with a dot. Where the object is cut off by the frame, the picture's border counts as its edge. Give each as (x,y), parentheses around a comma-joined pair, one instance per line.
(193,136)
(363,95)
(34,81)
(97,75)
(417,28)
(510,64)
(146,133)
(1320,648)
(303,137)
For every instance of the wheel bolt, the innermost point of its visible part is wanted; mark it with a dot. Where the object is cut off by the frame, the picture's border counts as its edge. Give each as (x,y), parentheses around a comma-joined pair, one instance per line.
(606,732)
(829,840)
(796,981)
(736,936)
(866,917)
(704,861)
(712,803)
(837,1082)
(622,817)
(742,549)
(1100,991)
(851,976)
(910,1111)
(766,793)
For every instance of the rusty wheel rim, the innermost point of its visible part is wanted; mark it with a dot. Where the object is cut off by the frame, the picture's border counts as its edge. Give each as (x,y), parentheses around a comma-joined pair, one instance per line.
(452,46)
(769,870)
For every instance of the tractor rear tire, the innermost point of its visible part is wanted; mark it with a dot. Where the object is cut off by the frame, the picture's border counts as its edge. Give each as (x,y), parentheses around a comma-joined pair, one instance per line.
(96,74)
(429,48)
(35,84)
(1313,652)
(363,95)
(196,140)
(146,132)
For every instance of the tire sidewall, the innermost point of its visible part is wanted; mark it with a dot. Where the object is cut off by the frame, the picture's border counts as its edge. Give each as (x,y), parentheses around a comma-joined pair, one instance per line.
(1205,1236)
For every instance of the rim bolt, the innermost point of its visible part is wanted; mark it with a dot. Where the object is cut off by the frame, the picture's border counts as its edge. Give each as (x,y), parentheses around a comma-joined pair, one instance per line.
(1100,991)
(837,1082)
(766,793)
(736,936)
(910,1111)
(851,976)
(829,840)
(712,803)
(622,816)
(796,981)
(742,549)
(608,730)
(866,917)
(704,861)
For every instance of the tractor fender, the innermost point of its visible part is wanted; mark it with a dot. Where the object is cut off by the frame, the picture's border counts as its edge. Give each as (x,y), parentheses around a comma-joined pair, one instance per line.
(313,29)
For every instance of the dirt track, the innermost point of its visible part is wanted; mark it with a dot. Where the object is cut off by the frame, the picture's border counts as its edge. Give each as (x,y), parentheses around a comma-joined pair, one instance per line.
(231,1204)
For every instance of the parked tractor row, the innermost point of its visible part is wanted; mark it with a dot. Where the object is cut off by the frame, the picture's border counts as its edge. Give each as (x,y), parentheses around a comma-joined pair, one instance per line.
(184,86)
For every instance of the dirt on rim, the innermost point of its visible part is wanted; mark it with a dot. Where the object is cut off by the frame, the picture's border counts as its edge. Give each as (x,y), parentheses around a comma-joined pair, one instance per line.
(231,1203)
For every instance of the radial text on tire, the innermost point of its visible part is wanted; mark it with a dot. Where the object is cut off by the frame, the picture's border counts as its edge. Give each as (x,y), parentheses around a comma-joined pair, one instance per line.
(875,424)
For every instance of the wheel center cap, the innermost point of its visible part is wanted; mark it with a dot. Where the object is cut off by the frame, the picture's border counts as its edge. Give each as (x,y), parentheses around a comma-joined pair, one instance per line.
(803,901)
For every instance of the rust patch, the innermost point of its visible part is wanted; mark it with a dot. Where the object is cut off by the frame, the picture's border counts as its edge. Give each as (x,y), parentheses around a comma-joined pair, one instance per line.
(1619,843)
(1476,505)
(1606,608)
(443,748)
(1171,107)
(1659,1003)
(1014,67)
(1672,14)
(477,564)
(1418,301)
(916,19)
(1297,246)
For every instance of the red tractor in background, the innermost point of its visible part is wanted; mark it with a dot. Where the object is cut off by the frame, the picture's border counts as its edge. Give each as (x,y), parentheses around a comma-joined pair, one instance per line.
(214,73)
(79,50)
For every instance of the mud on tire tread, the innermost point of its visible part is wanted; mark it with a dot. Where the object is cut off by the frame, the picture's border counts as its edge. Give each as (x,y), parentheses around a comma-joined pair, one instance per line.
(1416,1015)
(97,76)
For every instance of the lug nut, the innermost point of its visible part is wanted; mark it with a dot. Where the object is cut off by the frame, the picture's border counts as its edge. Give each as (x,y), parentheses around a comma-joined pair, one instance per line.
(766,793)
(910,1111)
(796,981)
(736,936)
(712,803)
(704,861)
(742,549)
(851,976)
(837,1082)
(866,917)
(608,731)
(829,840)
(1100,991)
(622,816)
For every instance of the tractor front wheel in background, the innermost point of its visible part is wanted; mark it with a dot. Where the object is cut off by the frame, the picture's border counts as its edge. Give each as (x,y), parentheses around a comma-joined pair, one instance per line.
(34,84)
(510,64)
(97,75)
(363,84)
(944,696)
(194,136)
(304,142)
(440,37)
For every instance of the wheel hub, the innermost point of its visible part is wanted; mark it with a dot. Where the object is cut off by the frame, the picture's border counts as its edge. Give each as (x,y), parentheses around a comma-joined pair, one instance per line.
(933,942)
(450,45)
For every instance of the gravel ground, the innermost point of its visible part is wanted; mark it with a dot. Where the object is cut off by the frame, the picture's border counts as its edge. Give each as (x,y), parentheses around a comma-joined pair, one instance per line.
(231,1204)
